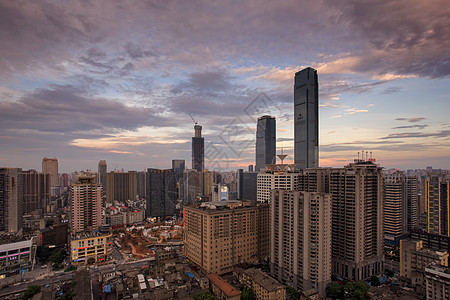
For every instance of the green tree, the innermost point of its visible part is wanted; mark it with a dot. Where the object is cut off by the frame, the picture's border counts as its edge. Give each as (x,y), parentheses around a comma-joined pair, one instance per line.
(43,253)
(374,281)
(357,290)
(57,256)
(248,294)
(205,295)
(292,294)
(31,291)
(334,290)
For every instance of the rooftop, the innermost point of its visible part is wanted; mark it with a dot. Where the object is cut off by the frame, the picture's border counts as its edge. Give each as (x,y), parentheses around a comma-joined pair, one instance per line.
(224,286)
(88,234)
(17,245)
(263,279)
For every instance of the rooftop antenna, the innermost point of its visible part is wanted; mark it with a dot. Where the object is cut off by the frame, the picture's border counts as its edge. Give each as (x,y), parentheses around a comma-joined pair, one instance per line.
(282,156)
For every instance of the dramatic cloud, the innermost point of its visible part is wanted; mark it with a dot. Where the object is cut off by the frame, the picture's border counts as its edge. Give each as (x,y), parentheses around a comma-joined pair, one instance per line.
(411,120)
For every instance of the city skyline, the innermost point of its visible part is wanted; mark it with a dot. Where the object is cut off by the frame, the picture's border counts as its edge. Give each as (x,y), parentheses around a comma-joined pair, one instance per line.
(85,82)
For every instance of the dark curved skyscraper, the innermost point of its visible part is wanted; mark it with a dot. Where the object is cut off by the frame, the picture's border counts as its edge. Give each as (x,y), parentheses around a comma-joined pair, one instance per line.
(265,141)
(306,118)
(198,150)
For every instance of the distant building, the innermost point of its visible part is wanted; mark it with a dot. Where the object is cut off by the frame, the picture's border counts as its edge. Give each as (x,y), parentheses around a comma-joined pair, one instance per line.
(198,150)
(437,283)
(102,170)
(50,166)
(219,235)
(88,248)
(249,186)
(266,139)
(36,191)
(263,286)
(395,216)
(178,165)
(11,199)
(141,181)
(250,168)
(306,119)
(161,194)
(300,249)
(17,258)
(412,200)
(121,186)
(85,204)
(438,199)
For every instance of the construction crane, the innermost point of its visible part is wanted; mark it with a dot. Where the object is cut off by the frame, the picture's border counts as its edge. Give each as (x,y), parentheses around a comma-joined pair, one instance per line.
(193,119)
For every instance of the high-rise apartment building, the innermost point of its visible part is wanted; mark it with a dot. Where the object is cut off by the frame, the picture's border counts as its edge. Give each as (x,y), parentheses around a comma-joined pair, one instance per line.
(141,182)
(102,170)
(357,220)
(412,200)
(161,194)
(50,166)
(438,204)
(85,204)
(395,204)
(219,235)
(11,199)
(306,119)
(266,138)
(121,186)
(300,230)
(36,191)
(198,149)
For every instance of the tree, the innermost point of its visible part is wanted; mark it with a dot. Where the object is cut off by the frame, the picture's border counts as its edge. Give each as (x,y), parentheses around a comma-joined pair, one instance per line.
(248,294)
(334,290)
(31,291)
(291,293)
(57,256)
(374,281)
(357,290)
(205,295)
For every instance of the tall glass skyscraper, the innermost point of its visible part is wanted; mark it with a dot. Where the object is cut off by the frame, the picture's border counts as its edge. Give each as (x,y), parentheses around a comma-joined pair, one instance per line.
(198,150)
(265,142)
(306,118)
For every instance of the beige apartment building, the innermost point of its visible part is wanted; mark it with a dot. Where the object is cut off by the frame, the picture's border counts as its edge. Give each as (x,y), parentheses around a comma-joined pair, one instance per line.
(437,282)
(50,166)
(275,176)
(219,235)
(300,234)
(86,204)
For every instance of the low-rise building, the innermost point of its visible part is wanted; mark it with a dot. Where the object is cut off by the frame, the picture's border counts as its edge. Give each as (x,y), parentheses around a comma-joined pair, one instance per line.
(413,260)
(264,286)
(222,289)
(90,247)
(55,235)
(17,258)
(437,282)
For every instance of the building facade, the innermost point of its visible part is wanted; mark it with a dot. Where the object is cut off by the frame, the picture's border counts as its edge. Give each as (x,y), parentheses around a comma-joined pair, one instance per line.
(300,230)
(50,166)
(121,186)
(85,204)
(357,220)
(102,170)
(161,194)
(395,218)
(306,119)
(219,235)
(437,283)
(276,176)
(263,286)
(198,150)
(11,199)
(438,204)
(17,258)
(88,248)
(36,191)
(266,139)
(412,200)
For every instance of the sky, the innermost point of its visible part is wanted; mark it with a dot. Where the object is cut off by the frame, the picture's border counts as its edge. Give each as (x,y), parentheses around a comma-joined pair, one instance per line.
(89,80)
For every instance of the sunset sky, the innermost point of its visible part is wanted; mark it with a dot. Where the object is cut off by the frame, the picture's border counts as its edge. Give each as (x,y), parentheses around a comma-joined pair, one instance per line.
(89,80)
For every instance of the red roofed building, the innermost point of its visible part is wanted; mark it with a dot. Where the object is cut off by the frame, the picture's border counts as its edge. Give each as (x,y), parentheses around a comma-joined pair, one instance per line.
(222,289)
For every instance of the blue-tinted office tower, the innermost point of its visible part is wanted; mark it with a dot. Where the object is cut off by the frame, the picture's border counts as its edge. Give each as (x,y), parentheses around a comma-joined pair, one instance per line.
(306,118)
(265,142)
